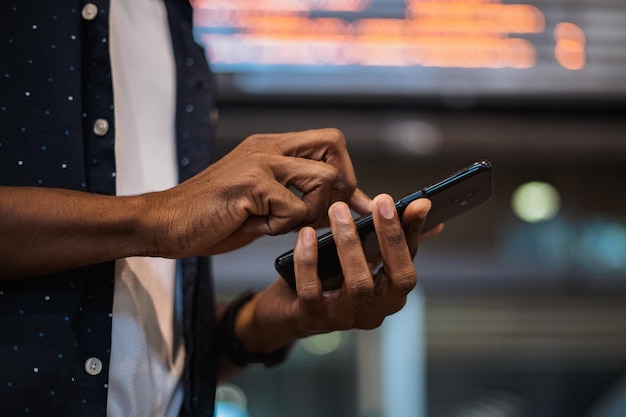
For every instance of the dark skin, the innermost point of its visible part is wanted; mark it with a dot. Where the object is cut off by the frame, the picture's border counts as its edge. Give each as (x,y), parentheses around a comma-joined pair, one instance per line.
(369,294)
(239,198)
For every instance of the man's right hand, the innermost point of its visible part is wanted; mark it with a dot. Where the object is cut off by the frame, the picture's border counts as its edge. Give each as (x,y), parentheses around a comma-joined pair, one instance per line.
(247,193)
(244,195)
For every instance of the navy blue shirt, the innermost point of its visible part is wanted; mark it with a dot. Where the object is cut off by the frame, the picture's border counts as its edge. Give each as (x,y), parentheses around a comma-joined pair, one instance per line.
(57,130)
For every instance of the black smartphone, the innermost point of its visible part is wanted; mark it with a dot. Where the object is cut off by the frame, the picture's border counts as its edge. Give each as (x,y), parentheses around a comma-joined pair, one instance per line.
(451,196)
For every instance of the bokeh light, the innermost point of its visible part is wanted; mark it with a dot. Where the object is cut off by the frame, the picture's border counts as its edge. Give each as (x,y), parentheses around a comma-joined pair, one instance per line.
(322,344)
(602,246)
(230,401)
(536,202)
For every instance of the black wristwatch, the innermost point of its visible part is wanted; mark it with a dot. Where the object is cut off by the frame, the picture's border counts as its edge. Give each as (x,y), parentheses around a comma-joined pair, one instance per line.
(232,347)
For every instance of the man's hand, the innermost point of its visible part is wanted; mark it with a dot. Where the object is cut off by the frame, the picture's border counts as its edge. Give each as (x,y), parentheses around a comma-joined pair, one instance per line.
(242,196)
(277,316)
(248,193)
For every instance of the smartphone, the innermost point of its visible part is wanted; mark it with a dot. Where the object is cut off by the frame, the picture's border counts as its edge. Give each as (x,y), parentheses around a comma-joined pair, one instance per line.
(451,196)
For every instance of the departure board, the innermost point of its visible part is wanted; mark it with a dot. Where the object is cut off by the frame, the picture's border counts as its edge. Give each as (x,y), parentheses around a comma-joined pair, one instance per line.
(397,48)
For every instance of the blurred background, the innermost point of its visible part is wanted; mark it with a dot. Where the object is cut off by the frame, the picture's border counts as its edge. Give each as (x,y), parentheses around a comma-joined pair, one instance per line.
(521,304)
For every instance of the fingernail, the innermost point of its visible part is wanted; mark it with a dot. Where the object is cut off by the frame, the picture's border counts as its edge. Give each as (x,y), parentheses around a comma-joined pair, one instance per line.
(341,213)
(385,207)
(424,213)
(308,236)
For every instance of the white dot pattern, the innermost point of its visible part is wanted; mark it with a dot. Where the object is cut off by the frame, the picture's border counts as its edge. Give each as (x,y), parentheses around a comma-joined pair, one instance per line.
(38,99)
(50,99)
(51,326)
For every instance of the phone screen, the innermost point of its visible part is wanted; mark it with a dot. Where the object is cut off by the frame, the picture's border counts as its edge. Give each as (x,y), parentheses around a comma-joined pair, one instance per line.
(451,196)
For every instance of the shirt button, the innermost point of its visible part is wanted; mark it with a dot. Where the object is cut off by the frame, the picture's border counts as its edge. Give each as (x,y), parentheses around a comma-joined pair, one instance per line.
(90,11)
(101,127)
(93,366)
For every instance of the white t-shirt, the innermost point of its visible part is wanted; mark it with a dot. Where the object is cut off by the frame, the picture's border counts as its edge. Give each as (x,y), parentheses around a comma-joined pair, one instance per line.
(147,354)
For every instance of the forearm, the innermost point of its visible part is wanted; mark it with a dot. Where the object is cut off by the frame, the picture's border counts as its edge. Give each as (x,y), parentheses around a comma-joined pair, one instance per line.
(50,230)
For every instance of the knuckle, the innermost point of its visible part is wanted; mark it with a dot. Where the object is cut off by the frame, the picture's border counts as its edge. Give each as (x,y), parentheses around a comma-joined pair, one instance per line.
(395,239)
(284,225)
(329,174)
(254,175)
(416,227)
(399,305)
(405,279)
(336,136)
(313,311)
(260,143)
(374,323)
(362,285)
(301,210)
(309,326)
(305,260)
(276,229)
(347,239)
(346,325)
(344,322)
(351,184)
(257,138)
(308,295)
(346,185)
(313,214)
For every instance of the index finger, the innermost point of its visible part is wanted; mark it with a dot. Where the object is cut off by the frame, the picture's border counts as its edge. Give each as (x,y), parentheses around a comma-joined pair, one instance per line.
(326,145)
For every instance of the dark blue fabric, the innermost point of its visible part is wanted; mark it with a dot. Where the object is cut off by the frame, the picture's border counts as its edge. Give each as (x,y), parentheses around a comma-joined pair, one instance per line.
(55,82)
(194,131)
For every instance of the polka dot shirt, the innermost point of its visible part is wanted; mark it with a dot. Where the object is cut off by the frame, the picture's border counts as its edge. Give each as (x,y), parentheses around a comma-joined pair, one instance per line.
(57,130)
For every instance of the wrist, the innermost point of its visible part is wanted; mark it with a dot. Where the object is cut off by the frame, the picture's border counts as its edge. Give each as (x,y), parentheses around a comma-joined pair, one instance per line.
(152,229)
(260,330)
(241,340)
